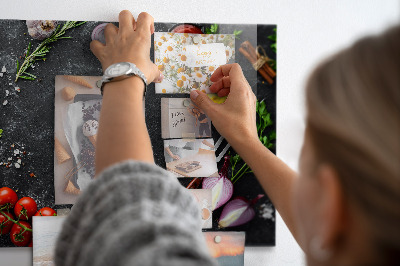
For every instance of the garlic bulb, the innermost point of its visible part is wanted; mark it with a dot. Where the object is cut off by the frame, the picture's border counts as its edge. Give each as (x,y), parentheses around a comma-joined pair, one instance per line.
(41,29)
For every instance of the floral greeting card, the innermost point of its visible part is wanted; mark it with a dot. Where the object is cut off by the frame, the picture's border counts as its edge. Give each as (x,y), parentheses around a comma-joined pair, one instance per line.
(188,60)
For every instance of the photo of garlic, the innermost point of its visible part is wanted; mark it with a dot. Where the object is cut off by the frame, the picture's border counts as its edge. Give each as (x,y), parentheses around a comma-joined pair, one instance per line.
(41,29)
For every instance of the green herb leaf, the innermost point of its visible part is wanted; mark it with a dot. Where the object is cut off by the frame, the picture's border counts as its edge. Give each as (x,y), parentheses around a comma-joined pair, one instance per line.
(29,74)
(272,135)
(272,64)
(212,30)
(272,37)
(237,33)
(265,135)
(26,77)
(273,46)
(29,49)
(42,49)
(262,107)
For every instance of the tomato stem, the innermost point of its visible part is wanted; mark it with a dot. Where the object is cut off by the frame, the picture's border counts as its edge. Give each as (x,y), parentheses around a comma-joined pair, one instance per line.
(16,222)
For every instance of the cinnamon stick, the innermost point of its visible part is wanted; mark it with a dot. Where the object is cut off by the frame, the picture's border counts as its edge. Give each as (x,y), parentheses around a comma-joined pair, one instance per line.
(252,51)
(269,70)
(252,61)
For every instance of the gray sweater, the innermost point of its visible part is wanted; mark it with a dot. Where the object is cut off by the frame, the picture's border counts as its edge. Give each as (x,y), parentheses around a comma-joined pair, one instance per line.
(134,213)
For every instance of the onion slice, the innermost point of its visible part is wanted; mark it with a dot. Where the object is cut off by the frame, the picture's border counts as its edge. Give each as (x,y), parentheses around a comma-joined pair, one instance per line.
(222,187)
(237,212)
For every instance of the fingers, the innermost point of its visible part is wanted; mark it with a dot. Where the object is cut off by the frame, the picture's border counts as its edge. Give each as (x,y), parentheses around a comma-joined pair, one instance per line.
(96,47)
(157,76)
(232,70)
(110,32)
(225,82)
(201,100)
(126,22)
(224,92)
(145,24)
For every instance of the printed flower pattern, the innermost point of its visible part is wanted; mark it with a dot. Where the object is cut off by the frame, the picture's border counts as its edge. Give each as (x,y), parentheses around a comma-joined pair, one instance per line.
(170,58)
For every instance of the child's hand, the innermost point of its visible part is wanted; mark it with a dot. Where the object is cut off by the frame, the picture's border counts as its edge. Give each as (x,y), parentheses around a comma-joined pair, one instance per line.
(129,43)
(236,118)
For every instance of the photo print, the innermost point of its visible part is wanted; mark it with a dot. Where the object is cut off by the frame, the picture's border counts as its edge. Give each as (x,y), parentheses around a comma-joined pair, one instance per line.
(180,118)
(47,229)
(190,157)
(188,60)
(204,199)
(77,110)
(76,115)
(226,247)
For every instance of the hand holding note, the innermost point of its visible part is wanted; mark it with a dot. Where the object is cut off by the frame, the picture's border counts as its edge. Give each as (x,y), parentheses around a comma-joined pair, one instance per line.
(236,118)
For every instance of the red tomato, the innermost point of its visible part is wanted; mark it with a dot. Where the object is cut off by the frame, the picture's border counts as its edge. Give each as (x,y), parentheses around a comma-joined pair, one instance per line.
(7,195)
(18,236)
(187,28)
(46,211)
(30,244)
(5,224)
(25,208)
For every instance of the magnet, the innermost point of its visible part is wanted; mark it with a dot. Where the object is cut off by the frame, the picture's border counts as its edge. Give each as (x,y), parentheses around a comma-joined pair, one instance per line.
(196,39)
(98,33)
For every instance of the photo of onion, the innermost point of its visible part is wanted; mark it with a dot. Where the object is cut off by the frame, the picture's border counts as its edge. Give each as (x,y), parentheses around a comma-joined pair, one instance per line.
(222,187)
(238,211)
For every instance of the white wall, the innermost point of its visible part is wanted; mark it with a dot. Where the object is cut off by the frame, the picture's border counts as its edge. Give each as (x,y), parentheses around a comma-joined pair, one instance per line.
(307,31)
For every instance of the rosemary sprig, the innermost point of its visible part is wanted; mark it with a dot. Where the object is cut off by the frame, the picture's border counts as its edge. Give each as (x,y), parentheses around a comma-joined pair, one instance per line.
(41,51)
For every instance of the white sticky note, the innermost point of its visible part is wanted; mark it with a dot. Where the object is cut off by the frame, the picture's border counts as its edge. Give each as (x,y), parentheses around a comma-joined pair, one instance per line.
(210,54)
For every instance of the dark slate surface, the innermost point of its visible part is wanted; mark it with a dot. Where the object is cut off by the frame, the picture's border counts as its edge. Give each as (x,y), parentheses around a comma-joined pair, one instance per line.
(28,118)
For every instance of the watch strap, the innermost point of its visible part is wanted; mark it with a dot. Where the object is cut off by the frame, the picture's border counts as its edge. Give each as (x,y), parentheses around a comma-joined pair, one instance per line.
(135,71)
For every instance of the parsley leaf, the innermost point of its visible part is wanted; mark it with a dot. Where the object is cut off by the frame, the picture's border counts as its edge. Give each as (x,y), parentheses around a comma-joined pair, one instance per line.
(212,30)
(237,33)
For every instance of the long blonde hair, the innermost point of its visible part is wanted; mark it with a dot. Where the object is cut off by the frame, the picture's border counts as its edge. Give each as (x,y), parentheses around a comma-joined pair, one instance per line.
(353,105)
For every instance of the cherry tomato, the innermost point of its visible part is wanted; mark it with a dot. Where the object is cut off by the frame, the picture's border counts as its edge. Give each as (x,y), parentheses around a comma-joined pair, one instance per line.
(18,236)
(30,244)
(187,28)
(8,196)
(25,208)
(5,224)
(46,211)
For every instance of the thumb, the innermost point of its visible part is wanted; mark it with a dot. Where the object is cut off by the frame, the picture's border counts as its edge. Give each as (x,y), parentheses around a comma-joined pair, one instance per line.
(157,75)
(202,101)
(97,47)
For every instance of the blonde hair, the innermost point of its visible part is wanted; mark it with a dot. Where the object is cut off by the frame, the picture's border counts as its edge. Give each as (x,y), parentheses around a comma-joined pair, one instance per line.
(353,120)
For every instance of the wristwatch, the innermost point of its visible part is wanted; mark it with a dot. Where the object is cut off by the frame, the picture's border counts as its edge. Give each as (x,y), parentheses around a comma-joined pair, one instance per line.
(123,69)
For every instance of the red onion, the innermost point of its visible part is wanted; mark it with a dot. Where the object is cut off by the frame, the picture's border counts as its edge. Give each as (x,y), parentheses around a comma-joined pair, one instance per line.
(98,33)
(222,187)
(238,211)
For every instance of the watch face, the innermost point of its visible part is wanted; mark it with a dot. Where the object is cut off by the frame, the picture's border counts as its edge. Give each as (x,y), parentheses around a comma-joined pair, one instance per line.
(118,69)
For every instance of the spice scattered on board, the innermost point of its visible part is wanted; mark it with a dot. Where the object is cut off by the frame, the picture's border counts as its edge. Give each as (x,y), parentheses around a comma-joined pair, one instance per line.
(14,156)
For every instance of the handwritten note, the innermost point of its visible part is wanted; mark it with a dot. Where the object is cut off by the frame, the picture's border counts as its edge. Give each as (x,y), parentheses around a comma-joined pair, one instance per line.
(181,122)
(205,55)
(177,118)
(181,119)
